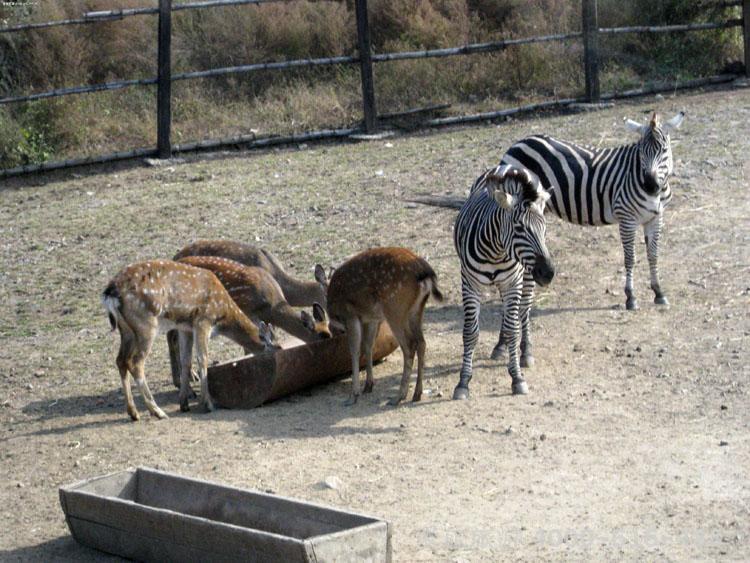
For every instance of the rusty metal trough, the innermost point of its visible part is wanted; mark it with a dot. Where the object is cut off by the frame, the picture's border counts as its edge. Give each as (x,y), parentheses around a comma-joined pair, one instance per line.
(253,380)
(150,515)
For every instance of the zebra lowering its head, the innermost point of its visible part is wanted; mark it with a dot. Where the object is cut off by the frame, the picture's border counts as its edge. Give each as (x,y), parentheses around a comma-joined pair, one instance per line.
(499,236)
(628,185)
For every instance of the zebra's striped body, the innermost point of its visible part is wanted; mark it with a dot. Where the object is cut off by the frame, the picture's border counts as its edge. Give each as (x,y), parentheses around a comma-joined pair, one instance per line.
(499,237)
(627,185)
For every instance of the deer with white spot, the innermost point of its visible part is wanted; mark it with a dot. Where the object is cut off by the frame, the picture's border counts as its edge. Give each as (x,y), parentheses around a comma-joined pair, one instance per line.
(146,297)
(391,284)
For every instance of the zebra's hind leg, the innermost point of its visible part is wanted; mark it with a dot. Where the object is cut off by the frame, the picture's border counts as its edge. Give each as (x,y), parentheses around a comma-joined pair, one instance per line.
(652,232)
(511,328)
(627,237)
(471,307)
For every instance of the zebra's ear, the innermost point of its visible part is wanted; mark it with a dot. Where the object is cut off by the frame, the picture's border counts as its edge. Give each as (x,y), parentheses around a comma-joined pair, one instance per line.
(675,122)
(635,127)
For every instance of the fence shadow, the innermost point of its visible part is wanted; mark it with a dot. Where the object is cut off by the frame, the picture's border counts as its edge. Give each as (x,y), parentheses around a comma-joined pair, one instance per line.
(490,314)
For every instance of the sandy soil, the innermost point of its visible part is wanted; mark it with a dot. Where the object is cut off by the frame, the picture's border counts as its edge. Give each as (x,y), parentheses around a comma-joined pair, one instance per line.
(633,442)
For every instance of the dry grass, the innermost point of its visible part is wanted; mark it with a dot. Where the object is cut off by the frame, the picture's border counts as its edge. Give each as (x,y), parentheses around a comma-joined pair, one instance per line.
(291,101)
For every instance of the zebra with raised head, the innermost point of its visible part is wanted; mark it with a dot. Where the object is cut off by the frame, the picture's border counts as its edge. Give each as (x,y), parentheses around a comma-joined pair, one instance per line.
(627,185)
(499,236)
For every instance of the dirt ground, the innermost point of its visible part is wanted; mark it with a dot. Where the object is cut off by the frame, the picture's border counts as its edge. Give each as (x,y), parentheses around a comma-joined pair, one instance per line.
(633,443)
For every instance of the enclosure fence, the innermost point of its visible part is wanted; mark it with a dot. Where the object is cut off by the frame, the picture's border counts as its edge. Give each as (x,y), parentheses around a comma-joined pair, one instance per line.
(589,35)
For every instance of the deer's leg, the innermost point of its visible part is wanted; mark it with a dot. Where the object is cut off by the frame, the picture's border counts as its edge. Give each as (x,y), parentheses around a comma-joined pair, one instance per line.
(502,345)
(185,348)
(421,350)
(145,340)
(627,237)
(124,357)
(527,300)
(471,307)
(201,332)
(408,348)
(652,232)
(354,337)
(369,332)
(511,328)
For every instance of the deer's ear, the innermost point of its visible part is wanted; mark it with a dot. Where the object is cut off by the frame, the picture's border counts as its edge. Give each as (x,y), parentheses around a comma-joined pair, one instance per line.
(635,127)
(320,275)
(307,320)
(675,122)
(319,313)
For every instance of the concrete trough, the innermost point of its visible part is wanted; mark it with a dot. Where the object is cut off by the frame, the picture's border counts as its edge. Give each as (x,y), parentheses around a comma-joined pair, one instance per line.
(253,380)
(151,515)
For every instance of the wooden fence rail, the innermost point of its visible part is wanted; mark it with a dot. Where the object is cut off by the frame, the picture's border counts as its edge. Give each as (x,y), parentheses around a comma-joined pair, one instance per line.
(590,32)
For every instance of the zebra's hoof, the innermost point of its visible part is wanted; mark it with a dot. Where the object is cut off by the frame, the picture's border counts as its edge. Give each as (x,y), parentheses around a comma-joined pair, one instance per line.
(498,352)
(631,305)
(527,361)
(520,387)
(460,393)
(661,301)
(184,406)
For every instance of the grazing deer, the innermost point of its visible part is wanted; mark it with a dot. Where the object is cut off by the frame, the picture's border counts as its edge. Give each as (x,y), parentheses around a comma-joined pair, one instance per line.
(297,293)
(161,294)
(391,284)
(259,296)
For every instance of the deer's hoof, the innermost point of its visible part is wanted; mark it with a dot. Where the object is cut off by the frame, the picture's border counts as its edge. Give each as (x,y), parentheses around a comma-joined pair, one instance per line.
(160,414)
(631,304)
(519,387)
(368,387)
(527,361)
(394,402)
(351,401)
(417,397)
(184,406)
(460,393)
(134,415)
(661,301)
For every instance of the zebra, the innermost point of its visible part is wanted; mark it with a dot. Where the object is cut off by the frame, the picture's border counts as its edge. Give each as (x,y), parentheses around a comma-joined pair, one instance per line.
(627,185)
(499,236)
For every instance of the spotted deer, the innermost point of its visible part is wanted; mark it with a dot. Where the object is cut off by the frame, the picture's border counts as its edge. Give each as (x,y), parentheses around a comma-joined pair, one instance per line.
(297,293)
(391,284)
(146,297)
(260,297)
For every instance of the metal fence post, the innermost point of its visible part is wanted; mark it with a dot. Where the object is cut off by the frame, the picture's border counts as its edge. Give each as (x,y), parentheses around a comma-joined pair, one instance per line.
(365,63)
(590,27)
(746,34)
(164,81)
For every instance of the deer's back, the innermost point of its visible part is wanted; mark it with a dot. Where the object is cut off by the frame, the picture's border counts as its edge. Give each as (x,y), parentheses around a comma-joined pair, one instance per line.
(376,278)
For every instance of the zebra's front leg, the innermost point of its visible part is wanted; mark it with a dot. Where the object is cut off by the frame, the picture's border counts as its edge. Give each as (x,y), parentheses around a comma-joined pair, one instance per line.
(471,307)
(627,237)
(527,300)
(652,232)
(502,345)
(511,329)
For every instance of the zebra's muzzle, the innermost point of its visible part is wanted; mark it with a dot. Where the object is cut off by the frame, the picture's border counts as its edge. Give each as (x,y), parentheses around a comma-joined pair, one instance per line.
(651,184)
(544,270)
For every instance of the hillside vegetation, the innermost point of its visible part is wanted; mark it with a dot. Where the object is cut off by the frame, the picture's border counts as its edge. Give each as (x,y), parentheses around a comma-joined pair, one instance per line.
(289,101)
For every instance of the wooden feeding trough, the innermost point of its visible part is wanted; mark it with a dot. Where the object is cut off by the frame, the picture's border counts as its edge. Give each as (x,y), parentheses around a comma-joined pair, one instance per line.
(253,380)
(151,515)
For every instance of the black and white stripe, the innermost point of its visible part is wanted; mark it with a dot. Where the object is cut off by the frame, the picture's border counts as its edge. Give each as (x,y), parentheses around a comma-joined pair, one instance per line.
(499,236)
(627,185)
